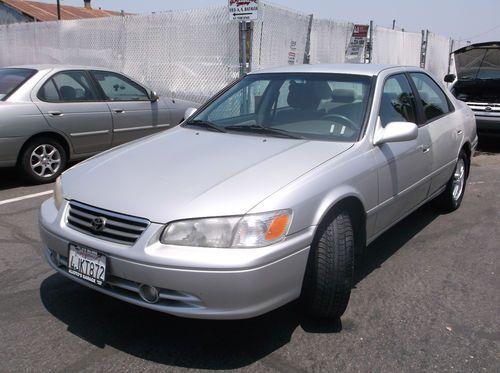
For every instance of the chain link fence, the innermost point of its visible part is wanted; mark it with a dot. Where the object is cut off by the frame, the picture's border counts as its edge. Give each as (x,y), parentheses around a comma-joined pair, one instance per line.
(192,54)
(279,38)
(329,40)
(186,54)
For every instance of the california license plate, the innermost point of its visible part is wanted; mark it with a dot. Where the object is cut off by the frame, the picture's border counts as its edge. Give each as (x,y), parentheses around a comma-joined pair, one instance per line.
(87,264)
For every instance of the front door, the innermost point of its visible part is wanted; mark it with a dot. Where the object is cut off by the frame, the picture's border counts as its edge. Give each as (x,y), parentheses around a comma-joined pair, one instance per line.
(404,167)
(134,115)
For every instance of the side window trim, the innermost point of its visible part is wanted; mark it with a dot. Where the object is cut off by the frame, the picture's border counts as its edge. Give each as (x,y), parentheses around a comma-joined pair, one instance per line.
(404,74)
(51,79)
(120,76)
(451,107)
(418,102)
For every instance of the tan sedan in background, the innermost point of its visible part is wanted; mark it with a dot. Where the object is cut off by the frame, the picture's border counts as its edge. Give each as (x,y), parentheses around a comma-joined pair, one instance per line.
(52,114)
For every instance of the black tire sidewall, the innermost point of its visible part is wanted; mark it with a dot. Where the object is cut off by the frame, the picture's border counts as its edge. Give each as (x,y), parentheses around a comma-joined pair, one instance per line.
(329,304)
(25,160)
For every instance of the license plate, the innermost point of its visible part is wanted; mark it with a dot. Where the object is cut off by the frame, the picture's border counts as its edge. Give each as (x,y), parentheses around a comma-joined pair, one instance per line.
(87,264)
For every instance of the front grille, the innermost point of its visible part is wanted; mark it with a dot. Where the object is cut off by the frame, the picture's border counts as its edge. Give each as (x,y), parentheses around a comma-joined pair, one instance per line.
(484,107)
(120,228)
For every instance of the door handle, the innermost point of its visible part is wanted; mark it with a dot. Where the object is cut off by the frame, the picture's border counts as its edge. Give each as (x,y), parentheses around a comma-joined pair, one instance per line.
(118,111)
(55,113)
(425,149)
(459,132)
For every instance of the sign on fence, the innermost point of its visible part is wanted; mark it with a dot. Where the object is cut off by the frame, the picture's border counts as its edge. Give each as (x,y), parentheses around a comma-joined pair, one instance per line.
(356,49)
(243,10)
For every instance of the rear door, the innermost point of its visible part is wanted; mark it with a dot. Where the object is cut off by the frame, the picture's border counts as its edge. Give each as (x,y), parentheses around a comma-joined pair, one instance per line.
(134,115)
(70,103)
(444,126)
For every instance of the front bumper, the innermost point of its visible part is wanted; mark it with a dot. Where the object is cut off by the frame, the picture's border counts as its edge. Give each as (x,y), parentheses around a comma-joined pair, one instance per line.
(193,282)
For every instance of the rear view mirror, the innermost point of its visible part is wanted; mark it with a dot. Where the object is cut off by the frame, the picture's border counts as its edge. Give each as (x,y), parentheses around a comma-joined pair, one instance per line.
(395,132)
(153,96)
(189,111)
(450,78)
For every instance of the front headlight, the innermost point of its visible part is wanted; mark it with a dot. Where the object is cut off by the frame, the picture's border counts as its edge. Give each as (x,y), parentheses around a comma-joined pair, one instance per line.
(254,230)
(58,193)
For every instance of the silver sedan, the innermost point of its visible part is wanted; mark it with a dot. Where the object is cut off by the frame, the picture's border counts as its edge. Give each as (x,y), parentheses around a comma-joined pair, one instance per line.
(265,194)
(50,115)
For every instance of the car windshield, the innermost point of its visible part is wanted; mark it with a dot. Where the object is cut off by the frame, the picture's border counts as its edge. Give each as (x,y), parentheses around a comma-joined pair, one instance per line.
(309,106)
(12,79)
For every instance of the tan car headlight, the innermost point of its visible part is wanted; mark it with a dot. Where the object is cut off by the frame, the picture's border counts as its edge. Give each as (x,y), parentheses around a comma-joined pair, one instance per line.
(247,231)
(58,193)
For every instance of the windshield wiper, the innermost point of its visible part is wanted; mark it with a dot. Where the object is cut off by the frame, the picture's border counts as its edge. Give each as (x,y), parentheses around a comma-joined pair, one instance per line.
(204,123)
(262,129)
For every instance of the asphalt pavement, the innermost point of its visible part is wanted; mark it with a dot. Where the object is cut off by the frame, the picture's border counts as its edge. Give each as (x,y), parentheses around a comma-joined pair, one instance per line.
(427,299)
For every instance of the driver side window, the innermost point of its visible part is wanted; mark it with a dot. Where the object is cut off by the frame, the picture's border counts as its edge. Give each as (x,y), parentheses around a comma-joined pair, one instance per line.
(397,103)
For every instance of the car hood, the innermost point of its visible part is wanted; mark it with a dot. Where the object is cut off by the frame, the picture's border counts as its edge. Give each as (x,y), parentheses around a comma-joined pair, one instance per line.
(184,173)
(478,61)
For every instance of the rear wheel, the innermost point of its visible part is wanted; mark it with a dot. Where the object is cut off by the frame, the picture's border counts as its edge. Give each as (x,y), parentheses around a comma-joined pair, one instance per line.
(452,196)
(42,160)
(329,273)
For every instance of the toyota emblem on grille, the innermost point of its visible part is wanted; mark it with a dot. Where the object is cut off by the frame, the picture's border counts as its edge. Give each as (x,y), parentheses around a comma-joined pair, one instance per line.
(98,224)
(487,108)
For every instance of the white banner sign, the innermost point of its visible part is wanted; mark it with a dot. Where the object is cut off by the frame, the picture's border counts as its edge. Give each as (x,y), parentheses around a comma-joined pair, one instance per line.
(355,52)
(240,10)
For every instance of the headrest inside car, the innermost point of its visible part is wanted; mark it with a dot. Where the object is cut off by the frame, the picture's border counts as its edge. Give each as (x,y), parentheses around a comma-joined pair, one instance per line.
(345,96)
(303,96)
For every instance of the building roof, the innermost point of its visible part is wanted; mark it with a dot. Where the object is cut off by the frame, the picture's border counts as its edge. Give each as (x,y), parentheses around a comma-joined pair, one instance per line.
(48,12)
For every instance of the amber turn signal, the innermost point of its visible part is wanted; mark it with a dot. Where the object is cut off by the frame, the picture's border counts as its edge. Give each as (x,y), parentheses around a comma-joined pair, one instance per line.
(277,227)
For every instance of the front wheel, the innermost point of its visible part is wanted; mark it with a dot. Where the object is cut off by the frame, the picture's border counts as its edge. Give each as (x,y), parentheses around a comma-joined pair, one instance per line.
(452,196)
(329,273)
(42,160)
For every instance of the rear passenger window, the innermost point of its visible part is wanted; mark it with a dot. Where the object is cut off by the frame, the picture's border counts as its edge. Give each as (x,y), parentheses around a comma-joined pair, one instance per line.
(433,99)
(397,103)
(68,86)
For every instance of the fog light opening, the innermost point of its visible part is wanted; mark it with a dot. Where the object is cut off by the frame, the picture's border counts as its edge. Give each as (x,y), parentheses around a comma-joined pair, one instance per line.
(149,293)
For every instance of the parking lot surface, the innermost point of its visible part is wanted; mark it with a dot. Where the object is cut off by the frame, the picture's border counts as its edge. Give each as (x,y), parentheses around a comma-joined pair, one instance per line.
(426,298)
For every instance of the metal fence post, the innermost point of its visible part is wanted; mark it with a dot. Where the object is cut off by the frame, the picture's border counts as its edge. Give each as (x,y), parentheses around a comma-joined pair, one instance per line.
(423,48)
(307,51)
(450,55)
(369,45)
(246,44)
(250,45)
(243,49)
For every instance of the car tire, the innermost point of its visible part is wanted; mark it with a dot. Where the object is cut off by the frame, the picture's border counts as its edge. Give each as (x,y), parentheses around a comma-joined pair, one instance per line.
(330,268)
(451,198)
(42,160)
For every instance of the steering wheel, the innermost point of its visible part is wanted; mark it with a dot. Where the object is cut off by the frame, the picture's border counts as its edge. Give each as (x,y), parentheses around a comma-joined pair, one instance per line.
(343,119)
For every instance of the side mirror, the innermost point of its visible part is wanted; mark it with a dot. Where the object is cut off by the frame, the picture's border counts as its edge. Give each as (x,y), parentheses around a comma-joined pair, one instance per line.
(395,132)
(153,96)
(189,111)
(450,78)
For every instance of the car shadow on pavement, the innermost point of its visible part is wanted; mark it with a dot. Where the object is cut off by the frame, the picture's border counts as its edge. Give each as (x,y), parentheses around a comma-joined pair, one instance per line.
(10,178)
(202,344)
(489,145)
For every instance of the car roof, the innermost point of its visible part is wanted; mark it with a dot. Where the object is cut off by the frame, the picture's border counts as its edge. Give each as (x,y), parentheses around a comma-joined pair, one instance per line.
(345,68)
(41,67)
